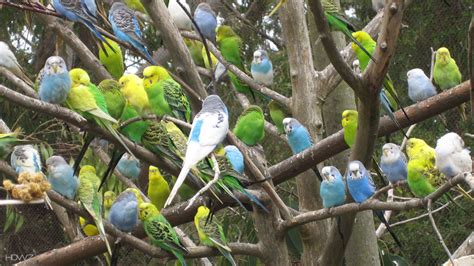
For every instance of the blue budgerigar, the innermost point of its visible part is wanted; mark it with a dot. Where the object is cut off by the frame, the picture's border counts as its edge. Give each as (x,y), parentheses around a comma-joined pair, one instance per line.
(124,211)
(55,82)
(393,163)
(210,126)
(61,177)
(420,86)
(262,68)
(333,188)
(25,159)
(235,158)
(129,166)
(206,20)
(298,138)
(362,187)
(126,28)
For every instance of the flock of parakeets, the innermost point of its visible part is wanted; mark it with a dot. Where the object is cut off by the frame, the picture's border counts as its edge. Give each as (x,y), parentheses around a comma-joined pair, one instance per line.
(129,96)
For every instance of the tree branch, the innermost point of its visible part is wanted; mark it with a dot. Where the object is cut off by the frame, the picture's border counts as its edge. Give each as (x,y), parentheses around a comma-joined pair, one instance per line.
(25,88)
(470,59)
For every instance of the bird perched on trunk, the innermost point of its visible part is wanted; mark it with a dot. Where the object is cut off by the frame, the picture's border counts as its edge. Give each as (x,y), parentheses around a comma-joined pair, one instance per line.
(250,126)
(8,60)
(262,68)
(420,86)
(54,82)
(61,177)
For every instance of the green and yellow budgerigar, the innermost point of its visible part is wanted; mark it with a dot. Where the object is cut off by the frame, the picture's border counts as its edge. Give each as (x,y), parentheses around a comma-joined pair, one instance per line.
(160,232)
(165,95)
(277,115)
(133,90)
(349,124)
(250,126)
(109,198)
(195,48)
(158,188)
(113,97)
(211,233)
(91,199)
(446,72)
(112,59)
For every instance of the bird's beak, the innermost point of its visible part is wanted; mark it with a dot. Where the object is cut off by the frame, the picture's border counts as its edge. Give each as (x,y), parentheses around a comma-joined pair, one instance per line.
(258,59)
(385,152)
(55,68)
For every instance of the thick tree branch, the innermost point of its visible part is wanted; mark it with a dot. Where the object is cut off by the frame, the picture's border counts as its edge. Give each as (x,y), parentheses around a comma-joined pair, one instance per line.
(6,169)
(27,90)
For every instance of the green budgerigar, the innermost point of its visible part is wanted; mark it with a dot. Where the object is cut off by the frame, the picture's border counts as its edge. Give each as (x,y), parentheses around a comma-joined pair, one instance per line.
(446,72)
(112,59)
(113,97)
(349,124)
(165,95)
(91,199)
(277,115)
(250,126)
(211,233)
(195,48)
(160,232)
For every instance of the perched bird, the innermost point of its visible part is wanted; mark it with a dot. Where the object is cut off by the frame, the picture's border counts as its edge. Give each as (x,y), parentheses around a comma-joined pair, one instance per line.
(250,126)
(8,141)
(393,163)
(55,83)
(129,166)
(25,159)
(112,58)
(298,138)
(230,45)
(126,28)
(8,60)
(195,49)
(181,20)
(262,68)
(446,72)
(61,177)
(91,199)
(214,61)
(422,178)
(420,86)
(277,115)
(210,126)
(362,187)
(419,149)
(134,92)
(165,95)
(235,157)
(124,212)
(349,124)
(160,232)
(206,21)
(377,5)
(211,233)
(452,158)
(158,188)
(333,188)
(113,97)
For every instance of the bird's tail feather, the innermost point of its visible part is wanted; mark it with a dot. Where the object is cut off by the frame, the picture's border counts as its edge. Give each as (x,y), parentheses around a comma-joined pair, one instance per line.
(180,257)
(177,184)
(87,141)
(100,227)
(225,252)
(382,219)
(115,253)
(116,155)
(117,136)
(254,199)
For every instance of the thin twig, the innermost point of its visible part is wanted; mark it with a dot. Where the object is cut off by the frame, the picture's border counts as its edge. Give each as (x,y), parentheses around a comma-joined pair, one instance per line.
(438,233)
(405,139)
(433,54)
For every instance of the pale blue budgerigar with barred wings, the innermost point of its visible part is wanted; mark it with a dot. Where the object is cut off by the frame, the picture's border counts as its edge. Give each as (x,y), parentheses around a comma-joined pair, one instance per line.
(210,126)
(25,158)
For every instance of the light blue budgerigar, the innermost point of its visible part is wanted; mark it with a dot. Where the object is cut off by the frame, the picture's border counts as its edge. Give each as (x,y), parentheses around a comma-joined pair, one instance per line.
(362,187)
(393,163)
(25,159)
(298,138)
(235,157)
(126,28)
(55,82)
(333,188)
(61,177)
(420,86)
(210,127)
(206,20)
(129,166)
(262,68)
(124,211)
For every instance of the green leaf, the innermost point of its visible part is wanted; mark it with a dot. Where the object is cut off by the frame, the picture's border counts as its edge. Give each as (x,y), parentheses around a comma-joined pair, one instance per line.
(19,223)
(9,222)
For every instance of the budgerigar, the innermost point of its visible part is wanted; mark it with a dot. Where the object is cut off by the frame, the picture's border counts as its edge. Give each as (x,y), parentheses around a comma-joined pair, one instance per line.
(206,20)
(250,126)
(195,49)
(109,198)
(210,126)
(8,60)
(299,138)
(55,82)
(112,59)
(422,179)
(235,157)
(393,163)
(165,95)
(129,166)
(349,124)
(420,86)
(124,212)
(277,115)
(262,68)
(126,28)
(333,188)
(452,158)
(160,232)
(211,233)
(181,20)
(362,187)
(158,188)
(25,159)
(446,72)
(61,177)
(91,199)
(134,92)
(113,97)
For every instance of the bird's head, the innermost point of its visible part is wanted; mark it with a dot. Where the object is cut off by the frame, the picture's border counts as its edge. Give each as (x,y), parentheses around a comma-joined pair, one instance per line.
(330,173)
(412,145)
(451,139)
(87,169)
(259,56)
(55,65)
(154,173)
(290,124)
(348,117)
(414,73)
(356,66)
(355,171)
(154,74)
(147,210)
(54,161)
(109,84)
(202,212)
(443,56)
(224,31)
(390,151)
(79,77)
(130,80)
(109,198)
(361,37)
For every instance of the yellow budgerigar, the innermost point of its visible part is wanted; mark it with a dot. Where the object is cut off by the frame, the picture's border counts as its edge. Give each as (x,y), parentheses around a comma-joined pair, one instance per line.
(134,92)
(158,188)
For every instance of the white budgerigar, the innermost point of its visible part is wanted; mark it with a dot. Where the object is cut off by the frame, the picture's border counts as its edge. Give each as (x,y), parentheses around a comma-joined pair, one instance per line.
(452,158)
(210,126)
(420,86)
(181,20)
(8,60)
(262,68)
